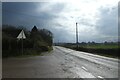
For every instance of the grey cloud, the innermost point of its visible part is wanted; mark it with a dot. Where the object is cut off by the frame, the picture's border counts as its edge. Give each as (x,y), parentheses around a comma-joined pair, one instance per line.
(119,21)
(86,22)
(107,24)
(61,35)
(58,7)
(25,14)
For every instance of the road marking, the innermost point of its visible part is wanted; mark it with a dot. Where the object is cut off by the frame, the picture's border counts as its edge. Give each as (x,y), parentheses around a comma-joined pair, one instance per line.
(82,73)
(100,77)
(84,68)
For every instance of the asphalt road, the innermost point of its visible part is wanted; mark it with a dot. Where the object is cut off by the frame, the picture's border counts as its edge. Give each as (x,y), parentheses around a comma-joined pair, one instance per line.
(61,63)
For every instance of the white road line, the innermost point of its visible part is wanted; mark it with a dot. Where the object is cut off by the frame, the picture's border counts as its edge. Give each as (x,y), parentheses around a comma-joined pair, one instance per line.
(84,68)
(82,73)
(100,77)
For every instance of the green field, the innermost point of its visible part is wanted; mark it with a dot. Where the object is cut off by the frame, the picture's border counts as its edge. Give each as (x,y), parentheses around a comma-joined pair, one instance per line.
(100,46)
(109,49)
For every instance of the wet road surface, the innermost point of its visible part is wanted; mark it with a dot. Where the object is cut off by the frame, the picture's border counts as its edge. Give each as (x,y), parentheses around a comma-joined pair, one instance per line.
(61,63)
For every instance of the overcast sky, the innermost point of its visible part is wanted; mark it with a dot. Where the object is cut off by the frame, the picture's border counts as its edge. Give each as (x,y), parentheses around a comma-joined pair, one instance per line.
(97,19)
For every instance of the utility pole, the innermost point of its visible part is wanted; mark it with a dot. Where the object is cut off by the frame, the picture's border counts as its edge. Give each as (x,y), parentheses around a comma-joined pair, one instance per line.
(76,35)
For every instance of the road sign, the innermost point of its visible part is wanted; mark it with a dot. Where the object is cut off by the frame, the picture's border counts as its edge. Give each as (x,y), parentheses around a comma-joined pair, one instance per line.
(21,35)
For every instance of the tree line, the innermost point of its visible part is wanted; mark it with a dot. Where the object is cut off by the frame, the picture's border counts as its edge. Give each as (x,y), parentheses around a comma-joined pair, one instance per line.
(37,41)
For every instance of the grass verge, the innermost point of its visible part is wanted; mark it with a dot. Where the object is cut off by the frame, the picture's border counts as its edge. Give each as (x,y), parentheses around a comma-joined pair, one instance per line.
(26,53)
(107,51)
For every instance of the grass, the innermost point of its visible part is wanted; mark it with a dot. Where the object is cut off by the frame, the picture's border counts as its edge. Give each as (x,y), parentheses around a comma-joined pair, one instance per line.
(26,53)
(101,46)
(108,50)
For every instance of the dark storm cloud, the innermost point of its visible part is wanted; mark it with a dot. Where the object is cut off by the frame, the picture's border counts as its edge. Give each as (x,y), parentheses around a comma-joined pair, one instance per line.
(24,13)
(17,13)
(19,6)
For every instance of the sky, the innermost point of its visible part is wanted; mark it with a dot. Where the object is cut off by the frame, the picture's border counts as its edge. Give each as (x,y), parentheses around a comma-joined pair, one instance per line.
(97,19)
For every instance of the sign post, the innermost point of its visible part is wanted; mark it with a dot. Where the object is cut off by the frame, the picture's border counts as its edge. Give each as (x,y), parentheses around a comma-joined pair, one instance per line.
(21,36)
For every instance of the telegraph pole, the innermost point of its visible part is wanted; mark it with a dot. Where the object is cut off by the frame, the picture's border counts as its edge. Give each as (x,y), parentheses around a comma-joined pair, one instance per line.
(76,35)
